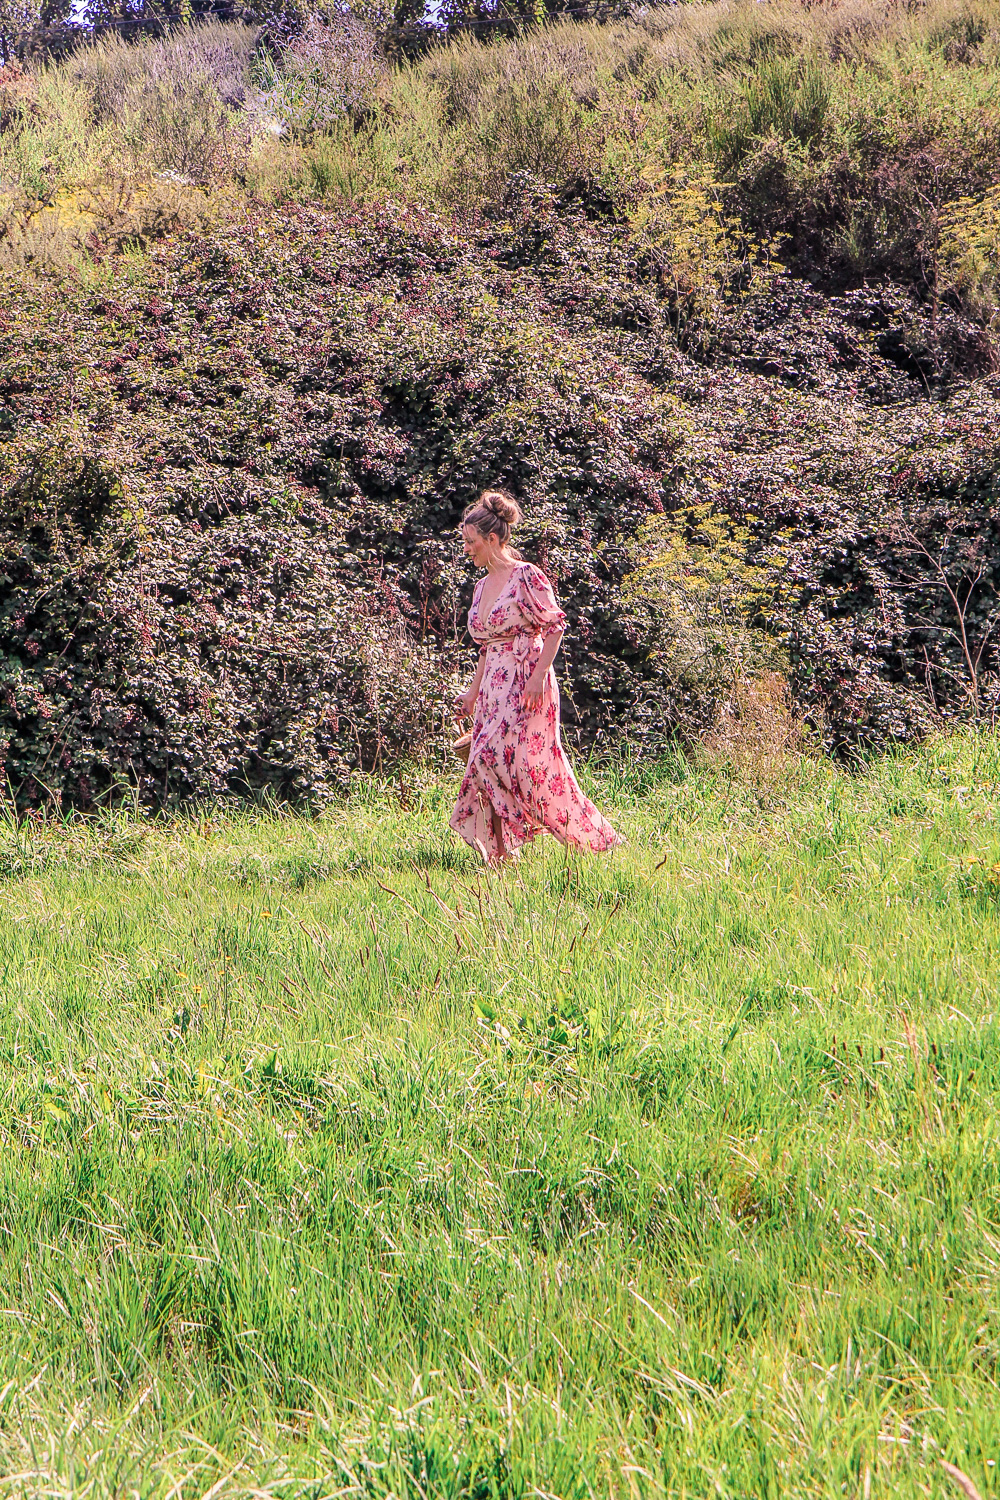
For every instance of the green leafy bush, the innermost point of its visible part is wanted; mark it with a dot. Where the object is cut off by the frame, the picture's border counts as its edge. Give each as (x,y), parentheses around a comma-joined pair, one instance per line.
(148,650)
(231,487)
(567,263)
(235,563)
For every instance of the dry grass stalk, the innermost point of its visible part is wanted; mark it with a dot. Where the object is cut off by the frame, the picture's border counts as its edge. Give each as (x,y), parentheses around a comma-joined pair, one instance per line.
(963,1481)
(757,733)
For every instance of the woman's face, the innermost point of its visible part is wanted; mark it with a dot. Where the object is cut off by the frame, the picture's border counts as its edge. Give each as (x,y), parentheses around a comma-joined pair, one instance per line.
(478,547)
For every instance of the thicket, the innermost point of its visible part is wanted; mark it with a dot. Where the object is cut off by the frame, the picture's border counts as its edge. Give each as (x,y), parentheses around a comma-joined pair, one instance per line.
(713,291)
(230,500)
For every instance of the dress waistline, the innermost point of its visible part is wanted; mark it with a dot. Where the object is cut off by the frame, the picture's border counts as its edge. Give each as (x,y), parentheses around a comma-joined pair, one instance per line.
(520,645)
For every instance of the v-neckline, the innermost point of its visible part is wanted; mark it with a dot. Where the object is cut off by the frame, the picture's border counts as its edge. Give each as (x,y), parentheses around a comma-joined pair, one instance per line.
(503,589)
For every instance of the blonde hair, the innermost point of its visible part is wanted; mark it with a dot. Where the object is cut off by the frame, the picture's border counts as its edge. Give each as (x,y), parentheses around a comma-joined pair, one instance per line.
(495,513)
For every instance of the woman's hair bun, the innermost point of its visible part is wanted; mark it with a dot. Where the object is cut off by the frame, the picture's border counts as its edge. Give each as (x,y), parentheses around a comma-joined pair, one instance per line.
(504,506)
(495,513)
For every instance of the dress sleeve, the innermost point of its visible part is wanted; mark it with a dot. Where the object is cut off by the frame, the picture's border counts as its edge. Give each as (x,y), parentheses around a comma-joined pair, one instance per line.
(537,601)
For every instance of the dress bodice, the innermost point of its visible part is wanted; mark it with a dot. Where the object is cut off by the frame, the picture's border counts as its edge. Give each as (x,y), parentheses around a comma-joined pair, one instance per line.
(524,610)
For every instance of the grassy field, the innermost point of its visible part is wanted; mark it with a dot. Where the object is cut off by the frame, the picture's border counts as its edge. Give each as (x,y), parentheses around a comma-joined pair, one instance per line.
(332,1166)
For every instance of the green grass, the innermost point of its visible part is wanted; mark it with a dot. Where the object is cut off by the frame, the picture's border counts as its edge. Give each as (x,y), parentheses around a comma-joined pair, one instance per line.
(333,1166)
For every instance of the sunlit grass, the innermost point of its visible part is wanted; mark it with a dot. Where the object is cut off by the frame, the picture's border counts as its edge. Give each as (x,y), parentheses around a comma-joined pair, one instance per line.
(334,1166)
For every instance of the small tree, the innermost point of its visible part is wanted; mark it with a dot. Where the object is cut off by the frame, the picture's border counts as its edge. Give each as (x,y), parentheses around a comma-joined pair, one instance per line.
(716,601)
(946,574)
(20,20)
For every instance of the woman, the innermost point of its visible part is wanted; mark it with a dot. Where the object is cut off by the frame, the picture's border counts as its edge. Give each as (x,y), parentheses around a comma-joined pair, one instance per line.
(518,779)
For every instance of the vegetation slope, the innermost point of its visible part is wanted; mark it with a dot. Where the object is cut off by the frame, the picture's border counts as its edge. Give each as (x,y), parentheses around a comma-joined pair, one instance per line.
(712,290)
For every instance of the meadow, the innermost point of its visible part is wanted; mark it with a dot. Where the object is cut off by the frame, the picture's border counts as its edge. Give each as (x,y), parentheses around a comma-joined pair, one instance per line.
(333,1165)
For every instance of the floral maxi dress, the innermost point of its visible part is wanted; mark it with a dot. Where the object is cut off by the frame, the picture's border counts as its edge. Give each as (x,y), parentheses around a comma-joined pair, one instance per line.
(516,761)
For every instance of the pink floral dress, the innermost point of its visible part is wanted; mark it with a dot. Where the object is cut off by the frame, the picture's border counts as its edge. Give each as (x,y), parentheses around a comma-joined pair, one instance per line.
(516,761)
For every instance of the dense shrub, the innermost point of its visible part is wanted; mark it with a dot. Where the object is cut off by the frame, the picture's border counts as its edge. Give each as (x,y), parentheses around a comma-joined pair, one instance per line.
(850,130)
(259,484)
(812,440)
(847,129)
(149,650)
(238,425)
(230,489)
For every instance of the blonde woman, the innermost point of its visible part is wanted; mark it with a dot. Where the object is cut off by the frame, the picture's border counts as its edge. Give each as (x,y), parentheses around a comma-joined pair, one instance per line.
(518,780)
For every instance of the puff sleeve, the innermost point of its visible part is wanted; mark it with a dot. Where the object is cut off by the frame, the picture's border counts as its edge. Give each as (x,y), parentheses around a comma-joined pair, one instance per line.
(537,602)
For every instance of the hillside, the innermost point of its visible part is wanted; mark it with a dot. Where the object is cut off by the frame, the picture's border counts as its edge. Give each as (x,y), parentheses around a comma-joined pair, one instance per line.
(713,292)
(335,1165)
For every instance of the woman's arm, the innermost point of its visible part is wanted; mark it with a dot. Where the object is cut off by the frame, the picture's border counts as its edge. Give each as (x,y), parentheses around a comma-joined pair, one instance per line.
(467,702)
(535,683)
